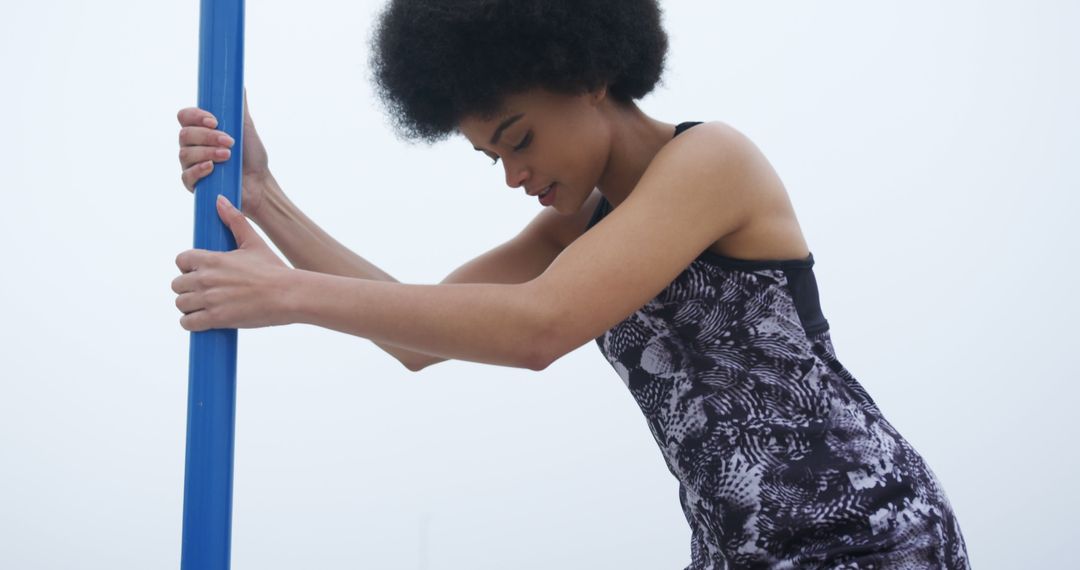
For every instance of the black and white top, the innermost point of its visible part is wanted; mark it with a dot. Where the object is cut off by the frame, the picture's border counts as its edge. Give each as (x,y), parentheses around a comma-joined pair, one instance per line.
(783,459)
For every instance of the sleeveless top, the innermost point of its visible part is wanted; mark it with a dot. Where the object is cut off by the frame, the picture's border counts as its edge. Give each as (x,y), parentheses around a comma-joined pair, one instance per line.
(783,459)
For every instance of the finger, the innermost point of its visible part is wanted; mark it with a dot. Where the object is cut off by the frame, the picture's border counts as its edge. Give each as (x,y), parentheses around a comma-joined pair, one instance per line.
(188,303)
(247,112)
(192,155)
(192,259)
(237,223)
(183,284)
(196,173)
(203,136)
(195,321)
(196,116)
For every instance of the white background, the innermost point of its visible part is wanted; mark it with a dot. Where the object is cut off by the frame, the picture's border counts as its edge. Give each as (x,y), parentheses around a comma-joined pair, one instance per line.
(929,149)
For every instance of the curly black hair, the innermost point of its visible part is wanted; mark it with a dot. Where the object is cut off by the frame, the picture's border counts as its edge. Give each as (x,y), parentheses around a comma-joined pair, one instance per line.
(435,62)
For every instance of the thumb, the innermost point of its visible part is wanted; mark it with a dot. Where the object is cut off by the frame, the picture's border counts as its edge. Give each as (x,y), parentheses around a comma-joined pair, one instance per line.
(237,223)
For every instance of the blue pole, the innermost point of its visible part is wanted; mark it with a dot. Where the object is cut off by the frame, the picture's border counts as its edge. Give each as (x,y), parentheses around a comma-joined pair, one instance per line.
(211,419)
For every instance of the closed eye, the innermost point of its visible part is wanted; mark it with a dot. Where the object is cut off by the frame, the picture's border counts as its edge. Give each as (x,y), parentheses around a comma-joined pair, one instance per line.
(520,146)
(524,142)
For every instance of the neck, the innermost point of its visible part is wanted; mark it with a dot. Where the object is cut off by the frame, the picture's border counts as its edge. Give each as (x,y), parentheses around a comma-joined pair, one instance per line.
(635,139)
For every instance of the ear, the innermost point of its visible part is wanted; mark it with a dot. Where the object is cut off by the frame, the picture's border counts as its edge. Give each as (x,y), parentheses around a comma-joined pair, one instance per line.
(598,95)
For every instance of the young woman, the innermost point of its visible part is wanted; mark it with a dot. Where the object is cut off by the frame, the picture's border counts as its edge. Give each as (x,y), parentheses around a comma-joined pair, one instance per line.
(673,246)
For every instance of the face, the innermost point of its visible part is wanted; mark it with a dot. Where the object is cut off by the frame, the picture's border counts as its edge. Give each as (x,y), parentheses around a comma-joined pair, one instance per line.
(544,138)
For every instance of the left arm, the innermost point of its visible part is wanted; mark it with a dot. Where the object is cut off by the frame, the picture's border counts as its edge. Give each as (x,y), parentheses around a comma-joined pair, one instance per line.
(686,200)
(251,287)
(492,323)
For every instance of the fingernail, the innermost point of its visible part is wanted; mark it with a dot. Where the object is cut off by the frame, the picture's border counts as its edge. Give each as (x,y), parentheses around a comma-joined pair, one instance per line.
(222,152)
(225,140)
(209,121)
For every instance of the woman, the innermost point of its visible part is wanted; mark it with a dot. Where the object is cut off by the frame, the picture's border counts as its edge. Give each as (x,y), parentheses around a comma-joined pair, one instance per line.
(674,246)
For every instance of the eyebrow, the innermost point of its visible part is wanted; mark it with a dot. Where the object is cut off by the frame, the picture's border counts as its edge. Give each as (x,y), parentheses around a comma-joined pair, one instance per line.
(502,127)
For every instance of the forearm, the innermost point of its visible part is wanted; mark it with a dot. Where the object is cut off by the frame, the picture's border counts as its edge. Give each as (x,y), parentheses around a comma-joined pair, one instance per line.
(479,322)
(307,246)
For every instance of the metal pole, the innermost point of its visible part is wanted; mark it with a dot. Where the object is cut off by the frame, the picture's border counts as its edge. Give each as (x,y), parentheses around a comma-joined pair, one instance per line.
(211,419)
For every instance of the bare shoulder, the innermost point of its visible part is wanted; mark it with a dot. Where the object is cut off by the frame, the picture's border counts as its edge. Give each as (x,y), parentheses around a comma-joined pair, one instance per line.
(714,143)
(771,229)
(714,148)
(698,148)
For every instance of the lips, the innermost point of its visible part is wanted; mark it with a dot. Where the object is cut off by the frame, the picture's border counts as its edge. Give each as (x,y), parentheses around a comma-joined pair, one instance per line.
(540,191)
(547,197)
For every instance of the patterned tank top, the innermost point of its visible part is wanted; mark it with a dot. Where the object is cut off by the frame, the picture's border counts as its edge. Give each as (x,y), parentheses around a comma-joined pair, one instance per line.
(783,459)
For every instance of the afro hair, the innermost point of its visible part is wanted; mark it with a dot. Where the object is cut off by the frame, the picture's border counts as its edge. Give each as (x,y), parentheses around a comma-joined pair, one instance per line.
(435,62)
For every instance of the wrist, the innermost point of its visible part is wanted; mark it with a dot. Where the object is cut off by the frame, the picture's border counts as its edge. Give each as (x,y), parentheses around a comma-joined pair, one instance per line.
(295,289)
(270,196)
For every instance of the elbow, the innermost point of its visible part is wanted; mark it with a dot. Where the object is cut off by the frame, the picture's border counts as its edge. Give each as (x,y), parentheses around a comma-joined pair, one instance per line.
(412,366)
(537,362)
(535,356)
(544,348)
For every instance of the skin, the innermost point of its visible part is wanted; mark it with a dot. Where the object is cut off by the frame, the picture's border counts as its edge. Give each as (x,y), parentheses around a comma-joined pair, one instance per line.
(612,144)
(673,198)
(201,145)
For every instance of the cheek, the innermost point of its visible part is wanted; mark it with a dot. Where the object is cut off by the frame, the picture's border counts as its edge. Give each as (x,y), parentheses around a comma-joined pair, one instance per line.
(580,163)
(579,166)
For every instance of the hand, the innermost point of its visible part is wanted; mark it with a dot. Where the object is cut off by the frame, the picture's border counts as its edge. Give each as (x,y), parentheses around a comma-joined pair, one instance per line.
(244,288)
(201,145)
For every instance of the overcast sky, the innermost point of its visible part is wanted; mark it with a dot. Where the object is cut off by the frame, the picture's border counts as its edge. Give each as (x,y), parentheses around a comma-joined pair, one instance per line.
(929,149)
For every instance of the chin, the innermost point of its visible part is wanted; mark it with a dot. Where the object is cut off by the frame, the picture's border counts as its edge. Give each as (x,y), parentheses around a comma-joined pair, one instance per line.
(559,200)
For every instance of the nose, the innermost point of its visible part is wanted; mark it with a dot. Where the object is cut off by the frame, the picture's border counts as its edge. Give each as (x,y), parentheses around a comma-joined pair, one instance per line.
(516,174)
